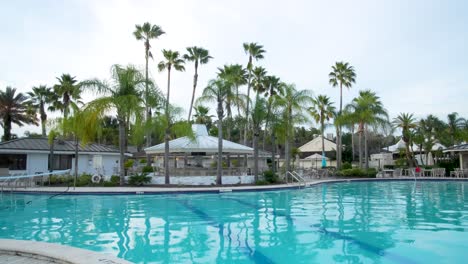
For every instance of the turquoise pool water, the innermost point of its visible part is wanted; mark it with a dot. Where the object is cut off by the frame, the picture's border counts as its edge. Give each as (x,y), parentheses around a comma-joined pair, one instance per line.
(358,222)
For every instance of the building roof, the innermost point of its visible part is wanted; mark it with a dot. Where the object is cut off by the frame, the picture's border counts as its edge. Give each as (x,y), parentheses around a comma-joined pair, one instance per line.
(459,148)
(315,145)
(402,145)
(202,142)
(42,145)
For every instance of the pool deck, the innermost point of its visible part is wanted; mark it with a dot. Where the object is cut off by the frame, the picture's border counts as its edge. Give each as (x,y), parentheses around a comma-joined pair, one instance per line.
(32,252)
(205,189)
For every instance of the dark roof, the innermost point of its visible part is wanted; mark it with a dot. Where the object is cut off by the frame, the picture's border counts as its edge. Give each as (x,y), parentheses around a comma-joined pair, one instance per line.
(42,144)
(461,147)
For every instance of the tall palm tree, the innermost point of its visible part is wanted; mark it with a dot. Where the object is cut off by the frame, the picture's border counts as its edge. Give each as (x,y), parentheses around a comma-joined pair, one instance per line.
(342,74)
(254,51)
(217,91)
(368,110)
(147,32)
(14,109)
(202,116)
(406,122)
(172,60)
(200,56)
(454,125)
(41,96)
(236,75)
(322,111)
(123,95)
(69,89)
(295,103)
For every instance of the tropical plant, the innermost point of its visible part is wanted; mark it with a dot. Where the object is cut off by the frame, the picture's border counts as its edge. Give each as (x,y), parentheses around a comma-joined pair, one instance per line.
(197,55)
(217,91)
(273,88)
(406,122)
(236,75)
(202,116)
(172,60)
(70,90)
(15,109)
(254,51)
(454,127)
(342,74)
(322,111)
(259,113)
(123,95)
(367,109)
(294,103)
(40,96)
(146,32)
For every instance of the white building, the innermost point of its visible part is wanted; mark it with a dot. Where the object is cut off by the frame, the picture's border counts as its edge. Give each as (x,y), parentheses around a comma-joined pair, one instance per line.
(31,156)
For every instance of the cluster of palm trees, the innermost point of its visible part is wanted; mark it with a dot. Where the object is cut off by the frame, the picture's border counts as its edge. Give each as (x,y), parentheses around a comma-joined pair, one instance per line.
(255,107)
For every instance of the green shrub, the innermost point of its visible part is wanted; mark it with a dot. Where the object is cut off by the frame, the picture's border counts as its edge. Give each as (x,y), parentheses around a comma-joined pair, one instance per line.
(147,169)
(261,182)
(139,179)
(235,163)
(449,165)
(115,179)
(84,180)
(270,177)
(214,164)
(129,164)
(346,166)
(357,172)
(109,184)
(143,161)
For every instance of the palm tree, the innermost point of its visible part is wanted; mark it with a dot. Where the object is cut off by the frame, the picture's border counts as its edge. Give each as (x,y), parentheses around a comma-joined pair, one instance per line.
(172,59)
(322,110)
(40,96)
(294,103)
(69,89)
(202,116)
(454,125)
(236,75)
(406,123)
(123,95)
(146,32)
(273,88)
(200,56)
(217,91)
(254,51)
(367,109)
(14,109)
(342,74)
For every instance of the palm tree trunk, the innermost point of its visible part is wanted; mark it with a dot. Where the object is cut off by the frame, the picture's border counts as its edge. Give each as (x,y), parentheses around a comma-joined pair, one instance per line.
(266,124)
(219,173)
(248,101)
(148,110)
(352,143)
(323,139)
(43,120)
(228,128)
(287,150)
(195,79)
(51,158)
(340,147)
(273,153)
(366,147)
(255,147)
(122,150)
(76,161)
(408,155)
(168,131)
(360,146)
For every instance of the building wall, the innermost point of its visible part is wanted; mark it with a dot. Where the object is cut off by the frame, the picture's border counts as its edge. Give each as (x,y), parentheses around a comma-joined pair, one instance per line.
(205,180)
(464,160)
(38,163)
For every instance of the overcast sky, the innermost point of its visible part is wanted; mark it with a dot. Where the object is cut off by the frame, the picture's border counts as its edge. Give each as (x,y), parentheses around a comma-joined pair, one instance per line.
(412,53)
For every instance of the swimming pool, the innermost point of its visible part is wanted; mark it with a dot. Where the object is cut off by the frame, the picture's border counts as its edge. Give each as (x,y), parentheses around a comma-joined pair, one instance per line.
(352,222)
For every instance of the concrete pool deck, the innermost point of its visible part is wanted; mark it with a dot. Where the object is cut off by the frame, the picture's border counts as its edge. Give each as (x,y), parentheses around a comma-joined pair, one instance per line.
(206,189)
(32,252)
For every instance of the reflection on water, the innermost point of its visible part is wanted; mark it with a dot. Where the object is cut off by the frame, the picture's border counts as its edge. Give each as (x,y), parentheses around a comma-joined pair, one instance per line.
(368,222)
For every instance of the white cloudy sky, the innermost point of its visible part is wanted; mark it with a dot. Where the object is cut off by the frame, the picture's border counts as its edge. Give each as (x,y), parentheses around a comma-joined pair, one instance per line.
(412,53)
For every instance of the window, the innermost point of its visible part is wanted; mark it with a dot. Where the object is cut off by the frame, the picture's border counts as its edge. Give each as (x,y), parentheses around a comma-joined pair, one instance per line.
(61,162)
(13,161)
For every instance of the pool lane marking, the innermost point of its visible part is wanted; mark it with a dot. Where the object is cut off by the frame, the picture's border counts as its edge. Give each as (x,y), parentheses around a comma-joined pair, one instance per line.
(254,254)
(364,245)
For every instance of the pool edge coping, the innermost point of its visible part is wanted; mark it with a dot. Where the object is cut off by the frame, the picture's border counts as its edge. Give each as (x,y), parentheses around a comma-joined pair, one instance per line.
(200,190)
(56,252)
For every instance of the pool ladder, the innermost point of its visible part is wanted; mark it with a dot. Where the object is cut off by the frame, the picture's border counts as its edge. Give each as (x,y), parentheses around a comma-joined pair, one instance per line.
(295,176)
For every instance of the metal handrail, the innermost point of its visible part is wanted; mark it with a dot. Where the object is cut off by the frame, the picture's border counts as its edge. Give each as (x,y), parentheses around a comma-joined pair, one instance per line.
(12,181)
(295,176)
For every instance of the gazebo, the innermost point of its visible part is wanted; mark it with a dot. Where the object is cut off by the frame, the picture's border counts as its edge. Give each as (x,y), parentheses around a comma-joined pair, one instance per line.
(196,155)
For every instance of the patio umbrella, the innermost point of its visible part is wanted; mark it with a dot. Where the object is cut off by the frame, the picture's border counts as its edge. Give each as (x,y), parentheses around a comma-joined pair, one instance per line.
(324,160)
